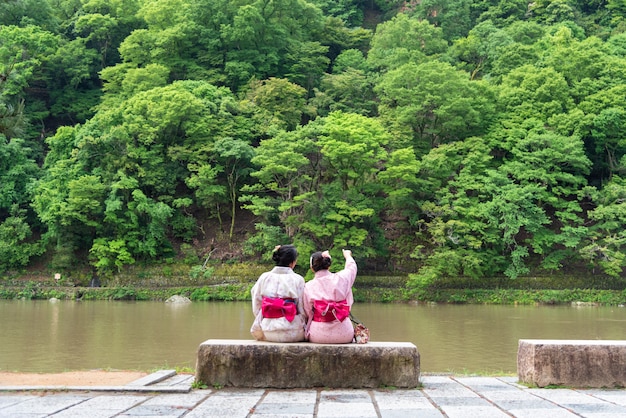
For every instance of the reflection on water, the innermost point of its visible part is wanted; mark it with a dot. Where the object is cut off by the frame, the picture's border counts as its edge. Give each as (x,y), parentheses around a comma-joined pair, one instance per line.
(40,336)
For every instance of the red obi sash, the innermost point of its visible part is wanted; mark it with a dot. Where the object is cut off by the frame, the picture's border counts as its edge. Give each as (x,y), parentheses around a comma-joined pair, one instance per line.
(279,307)
(328,311)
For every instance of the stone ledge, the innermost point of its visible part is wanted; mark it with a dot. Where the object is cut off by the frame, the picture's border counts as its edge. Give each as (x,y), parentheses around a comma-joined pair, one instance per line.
(576,363)
(260,364)
(153,378)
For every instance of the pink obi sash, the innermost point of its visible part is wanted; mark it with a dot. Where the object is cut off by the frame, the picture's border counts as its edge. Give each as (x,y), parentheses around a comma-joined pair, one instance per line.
(279,307)
(328,311)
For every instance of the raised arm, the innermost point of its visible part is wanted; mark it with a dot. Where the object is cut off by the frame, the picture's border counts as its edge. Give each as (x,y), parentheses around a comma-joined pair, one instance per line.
(350,269)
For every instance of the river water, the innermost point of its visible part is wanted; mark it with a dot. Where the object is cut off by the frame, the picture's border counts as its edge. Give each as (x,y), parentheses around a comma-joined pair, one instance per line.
(42,336)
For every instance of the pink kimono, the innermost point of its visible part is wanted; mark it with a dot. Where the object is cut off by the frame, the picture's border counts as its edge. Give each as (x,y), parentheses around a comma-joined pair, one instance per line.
(327,301)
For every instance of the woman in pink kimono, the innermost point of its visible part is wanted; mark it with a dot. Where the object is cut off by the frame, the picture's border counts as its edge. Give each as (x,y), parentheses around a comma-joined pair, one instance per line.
(328,299)
(277,300)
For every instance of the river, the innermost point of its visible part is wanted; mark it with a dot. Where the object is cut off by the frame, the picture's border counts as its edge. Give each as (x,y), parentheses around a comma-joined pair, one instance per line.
(47,337)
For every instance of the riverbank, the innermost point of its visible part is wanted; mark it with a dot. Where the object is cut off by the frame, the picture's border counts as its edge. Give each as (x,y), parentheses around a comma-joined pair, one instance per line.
(228,282)
(241,292)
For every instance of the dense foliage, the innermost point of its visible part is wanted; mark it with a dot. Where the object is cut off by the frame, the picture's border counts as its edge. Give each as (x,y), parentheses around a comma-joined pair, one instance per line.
(438,137)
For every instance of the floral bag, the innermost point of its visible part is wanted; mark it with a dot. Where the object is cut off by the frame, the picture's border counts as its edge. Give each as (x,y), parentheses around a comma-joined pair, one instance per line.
(361,332)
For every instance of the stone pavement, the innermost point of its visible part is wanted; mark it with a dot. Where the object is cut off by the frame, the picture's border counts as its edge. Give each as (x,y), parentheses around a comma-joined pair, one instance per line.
(439,396)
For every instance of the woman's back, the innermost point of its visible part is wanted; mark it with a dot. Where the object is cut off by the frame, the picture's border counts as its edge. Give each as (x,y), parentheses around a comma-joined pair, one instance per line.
(328,299)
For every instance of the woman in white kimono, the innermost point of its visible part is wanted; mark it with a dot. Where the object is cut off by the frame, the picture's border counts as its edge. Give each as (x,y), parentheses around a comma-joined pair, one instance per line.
(277,300)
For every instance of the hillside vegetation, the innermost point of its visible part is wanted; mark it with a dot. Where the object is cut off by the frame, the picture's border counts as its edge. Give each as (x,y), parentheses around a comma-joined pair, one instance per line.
(438,139)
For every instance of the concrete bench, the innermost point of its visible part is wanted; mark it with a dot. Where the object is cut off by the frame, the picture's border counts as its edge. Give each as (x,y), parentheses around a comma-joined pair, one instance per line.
(576,363)
(260,364)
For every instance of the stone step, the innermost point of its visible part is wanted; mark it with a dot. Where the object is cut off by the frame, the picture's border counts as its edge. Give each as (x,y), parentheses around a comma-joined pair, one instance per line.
(153,378)
(261,364)
(574,363)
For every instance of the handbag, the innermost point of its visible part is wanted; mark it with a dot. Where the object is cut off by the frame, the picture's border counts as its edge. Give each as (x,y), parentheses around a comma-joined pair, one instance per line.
(361,332)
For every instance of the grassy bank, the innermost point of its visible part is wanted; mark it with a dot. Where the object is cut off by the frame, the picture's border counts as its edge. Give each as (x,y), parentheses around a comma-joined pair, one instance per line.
(241,292)
(525,297)
(232,282)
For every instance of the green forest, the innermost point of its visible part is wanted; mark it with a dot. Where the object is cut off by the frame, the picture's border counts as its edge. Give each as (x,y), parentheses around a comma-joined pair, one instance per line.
(437,138)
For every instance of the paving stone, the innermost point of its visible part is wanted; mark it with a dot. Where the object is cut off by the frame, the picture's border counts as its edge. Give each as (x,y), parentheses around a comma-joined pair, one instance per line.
(565,396)
(615,396)
(459,400)
(155,411)
(402,399)
(514,395)
(596,409)
(555,412)
(227,403)
(300,396)
(12,400)
(292,404)
(238,393)
(405,403)
(484,383)
(473,412)
(49,404)
(345,396)
(517,404)
(406,413)
(445,387)
(102,406)
(186,400)
(288,409)
(463,397)
(345,403)
(346,410)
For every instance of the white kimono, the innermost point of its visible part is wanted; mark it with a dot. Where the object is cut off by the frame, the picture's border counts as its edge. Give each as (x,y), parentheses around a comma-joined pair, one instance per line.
(280,282)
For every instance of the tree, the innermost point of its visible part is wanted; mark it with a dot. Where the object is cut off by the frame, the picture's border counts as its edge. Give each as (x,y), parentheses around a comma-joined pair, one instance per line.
(485,217)
(430,104)
(505,12)
(404,40)
(309,63)
(559,166)
(233,157)
(452,16)
(476,50)
(24,55)
(402,183)
(12,120)
(349,88)
(533,92)
(551,12)
(276,103)
(604,245)
(349,11)
(16,247)
(488,51)
(209,192)
(286,166)
(457,232)
(17,173)
(54,199)
(28,12)
(260,36)
(118,183)
(320,182)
